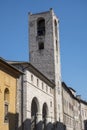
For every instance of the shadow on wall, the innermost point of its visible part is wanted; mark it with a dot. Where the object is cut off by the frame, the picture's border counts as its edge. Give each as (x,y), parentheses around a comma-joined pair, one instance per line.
(85,124)
(13,121)
(32,126)
(29,125)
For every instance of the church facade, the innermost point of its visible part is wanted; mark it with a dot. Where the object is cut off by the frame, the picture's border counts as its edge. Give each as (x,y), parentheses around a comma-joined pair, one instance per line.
(44,102)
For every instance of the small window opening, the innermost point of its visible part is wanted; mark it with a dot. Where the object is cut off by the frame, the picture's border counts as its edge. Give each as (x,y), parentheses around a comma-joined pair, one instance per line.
(41,45)
(37,83)
(56,46)
(50,90)
(46,88)
(42,85)
(31,77)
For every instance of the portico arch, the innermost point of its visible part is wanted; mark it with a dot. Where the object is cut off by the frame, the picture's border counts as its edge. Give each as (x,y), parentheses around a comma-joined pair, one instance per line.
(44,115)
(34,111)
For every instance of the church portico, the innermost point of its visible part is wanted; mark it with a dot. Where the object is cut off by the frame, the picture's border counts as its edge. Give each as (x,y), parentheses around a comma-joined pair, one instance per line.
(38,99)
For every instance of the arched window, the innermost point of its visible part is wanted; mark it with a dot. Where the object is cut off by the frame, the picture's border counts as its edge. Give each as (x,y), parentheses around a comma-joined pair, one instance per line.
(44,115)
(55,24)
(41,27)
(6,104)
(6,95)
(34,110)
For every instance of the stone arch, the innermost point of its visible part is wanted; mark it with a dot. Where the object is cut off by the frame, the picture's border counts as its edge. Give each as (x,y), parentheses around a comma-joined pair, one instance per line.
(44,115)
(34,112)
(41,26)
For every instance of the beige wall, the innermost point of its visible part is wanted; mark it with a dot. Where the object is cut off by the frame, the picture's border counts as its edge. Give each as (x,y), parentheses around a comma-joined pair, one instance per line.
(7,81)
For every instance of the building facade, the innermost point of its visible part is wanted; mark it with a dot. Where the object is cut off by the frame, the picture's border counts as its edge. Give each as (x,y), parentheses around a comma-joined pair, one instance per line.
(74,110)
(8,86)
(83,111)
(38,99)
(68,112)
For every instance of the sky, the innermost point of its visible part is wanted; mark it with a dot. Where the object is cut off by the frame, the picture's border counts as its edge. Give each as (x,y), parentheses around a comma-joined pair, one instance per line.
(72,14)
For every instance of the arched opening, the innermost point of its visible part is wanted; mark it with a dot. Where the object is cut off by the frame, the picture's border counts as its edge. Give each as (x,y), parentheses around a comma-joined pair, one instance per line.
(44,115)
(6,95)
(41,27)
(6,104)
(55,24)
(34,111)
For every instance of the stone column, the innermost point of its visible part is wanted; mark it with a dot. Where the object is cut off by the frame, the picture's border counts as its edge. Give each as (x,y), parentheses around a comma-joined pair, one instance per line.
(39,121)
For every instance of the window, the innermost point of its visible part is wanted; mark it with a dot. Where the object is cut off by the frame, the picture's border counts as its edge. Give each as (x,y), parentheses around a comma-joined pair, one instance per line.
(37,82)
(50,103)
(41,27)
(41,45)
(31,77)
(50,90)
(56,47)
(55,24)
(56,51)
(42,85)
(6,112)
(6,95)
(6,104)
(46,88)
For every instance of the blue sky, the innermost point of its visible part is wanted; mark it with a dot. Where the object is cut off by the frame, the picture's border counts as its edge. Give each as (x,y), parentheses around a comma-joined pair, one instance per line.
(73,35)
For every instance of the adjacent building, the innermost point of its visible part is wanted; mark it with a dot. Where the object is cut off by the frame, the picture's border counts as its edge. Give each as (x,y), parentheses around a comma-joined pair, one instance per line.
(83,111)
(8,93)
(68,107)
(74,109)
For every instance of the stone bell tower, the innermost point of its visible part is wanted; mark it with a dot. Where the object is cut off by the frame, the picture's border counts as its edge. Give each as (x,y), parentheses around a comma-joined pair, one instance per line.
(44,52)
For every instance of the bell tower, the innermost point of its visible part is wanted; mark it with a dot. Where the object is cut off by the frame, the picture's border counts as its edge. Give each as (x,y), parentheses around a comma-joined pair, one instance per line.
(44,52)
